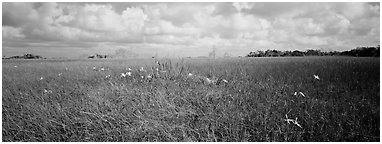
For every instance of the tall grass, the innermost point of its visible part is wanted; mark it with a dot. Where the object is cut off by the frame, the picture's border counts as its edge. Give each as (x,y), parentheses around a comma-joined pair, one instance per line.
(84,105)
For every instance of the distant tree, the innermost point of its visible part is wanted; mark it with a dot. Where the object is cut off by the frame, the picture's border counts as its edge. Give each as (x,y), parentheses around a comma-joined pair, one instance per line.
(297,53)
(363,52)
(312,52)
(260,53)
(287,53)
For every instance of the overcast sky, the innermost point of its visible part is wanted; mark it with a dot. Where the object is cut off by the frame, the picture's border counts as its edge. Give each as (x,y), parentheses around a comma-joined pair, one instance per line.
(185,29)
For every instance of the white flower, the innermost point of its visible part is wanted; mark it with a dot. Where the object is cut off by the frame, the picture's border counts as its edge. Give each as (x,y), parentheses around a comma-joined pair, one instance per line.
(102,69)
(225,81)
(210,80)
(128,73)
(189,74)
(149,76)
(94,68)
(157,69)
(141,69)
(302,94)
(108,76)
(142,77)
(129,69)
(294,121)
(47,91)
(123,75)
(316,77)
(41,78)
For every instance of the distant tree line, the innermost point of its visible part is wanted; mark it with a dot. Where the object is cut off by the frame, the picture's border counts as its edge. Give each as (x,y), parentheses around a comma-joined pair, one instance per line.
(25,56)
(357,52)
(98,56)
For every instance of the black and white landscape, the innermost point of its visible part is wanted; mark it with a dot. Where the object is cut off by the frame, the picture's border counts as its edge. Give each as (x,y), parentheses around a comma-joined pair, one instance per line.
(187,71)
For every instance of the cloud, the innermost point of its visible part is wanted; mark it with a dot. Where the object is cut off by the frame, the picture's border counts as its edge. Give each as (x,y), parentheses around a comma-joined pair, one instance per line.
(12,33)
(311,40)
(239,26)
(242,5)
(352,10)
(163,27)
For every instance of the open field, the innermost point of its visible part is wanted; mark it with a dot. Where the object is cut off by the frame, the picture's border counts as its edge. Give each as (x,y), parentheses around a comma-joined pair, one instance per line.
(261,99)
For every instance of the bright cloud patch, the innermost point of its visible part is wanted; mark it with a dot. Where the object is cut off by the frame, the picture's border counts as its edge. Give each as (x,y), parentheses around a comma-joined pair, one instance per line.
(189,29)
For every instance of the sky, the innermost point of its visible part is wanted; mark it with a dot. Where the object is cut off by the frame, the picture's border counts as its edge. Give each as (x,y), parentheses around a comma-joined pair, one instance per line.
(182,29)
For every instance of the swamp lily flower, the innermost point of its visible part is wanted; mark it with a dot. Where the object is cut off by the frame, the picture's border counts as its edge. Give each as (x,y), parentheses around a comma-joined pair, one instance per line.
(128,73)
(142,69)
(302,94)
(316,77)
(294,121)
(47,91)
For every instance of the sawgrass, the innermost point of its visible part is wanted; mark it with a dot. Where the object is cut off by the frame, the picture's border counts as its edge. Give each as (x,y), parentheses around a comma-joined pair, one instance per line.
(83,105)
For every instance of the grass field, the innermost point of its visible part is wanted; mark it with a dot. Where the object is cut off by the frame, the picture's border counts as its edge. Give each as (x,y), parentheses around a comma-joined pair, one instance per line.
(74,100)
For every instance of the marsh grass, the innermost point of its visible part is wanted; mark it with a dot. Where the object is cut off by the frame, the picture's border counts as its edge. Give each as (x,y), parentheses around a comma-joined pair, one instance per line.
(85,106)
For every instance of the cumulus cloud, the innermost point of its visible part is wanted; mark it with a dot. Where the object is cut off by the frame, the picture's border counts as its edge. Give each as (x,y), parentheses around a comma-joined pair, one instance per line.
(182,26)
(242,5)
(12,32)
